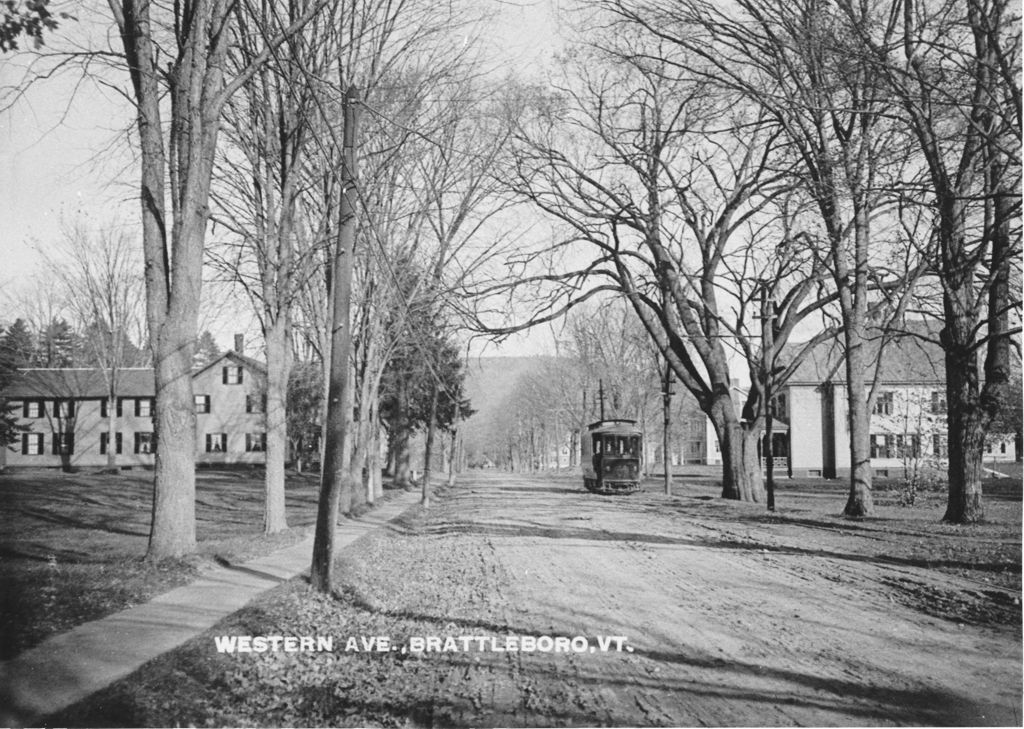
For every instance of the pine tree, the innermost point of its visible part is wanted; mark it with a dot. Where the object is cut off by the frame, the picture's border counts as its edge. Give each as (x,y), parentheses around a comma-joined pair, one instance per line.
(17,346)
(56,345)
(206,350)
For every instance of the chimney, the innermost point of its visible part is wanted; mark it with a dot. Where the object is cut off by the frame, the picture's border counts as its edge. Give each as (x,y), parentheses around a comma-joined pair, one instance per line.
(240,343)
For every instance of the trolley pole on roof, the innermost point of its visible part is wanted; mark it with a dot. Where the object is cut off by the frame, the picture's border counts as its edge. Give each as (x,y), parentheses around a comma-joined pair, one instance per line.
(600,395)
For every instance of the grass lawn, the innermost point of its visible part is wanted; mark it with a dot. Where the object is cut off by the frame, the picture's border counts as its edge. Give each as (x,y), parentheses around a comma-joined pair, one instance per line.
(447,571)
(72,545)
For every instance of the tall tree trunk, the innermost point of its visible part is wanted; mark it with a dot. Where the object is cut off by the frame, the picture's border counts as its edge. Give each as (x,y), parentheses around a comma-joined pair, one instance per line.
(399,442)
(966,419)
(376,485)
(966,438)
(173,531)
(335,479)
(431,429)
(666,430)
(741,468)
(859,503)
(112,430)
(453,456)
(276,336)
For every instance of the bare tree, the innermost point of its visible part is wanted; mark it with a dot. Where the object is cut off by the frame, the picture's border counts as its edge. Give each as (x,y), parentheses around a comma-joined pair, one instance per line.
(269,127)
(952,69)
(176,57)
(672,189)
(100,279)
(793,61)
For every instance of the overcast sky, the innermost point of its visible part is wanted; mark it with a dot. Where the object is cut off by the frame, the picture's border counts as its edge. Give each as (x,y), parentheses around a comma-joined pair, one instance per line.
(64,154)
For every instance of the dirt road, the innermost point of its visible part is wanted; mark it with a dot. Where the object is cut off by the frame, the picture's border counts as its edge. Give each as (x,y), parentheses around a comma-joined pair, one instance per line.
(726,627)
(728,619)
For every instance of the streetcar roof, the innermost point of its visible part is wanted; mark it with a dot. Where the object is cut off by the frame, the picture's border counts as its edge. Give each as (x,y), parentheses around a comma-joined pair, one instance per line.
(619,426)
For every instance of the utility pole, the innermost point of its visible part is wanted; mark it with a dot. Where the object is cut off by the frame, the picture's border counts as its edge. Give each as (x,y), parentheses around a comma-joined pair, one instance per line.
(768,360)
(335,478)
(666,401)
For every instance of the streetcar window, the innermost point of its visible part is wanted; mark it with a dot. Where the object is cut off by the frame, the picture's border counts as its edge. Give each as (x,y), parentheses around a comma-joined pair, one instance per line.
(634,446)
(597,444)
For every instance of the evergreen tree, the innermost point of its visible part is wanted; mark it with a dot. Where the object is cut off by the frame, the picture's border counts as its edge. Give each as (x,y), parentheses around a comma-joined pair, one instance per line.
(56,345)
(17,346)
(9,429)
(305,393)
(206,350)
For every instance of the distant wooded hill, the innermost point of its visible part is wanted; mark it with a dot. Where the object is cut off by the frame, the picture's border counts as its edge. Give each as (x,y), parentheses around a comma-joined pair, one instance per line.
(490,380)
(489,385)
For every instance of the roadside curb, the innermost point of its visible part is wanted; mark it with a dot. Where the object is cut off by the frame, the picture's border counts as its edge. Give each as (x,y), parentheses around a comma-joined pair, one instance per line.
(73,665)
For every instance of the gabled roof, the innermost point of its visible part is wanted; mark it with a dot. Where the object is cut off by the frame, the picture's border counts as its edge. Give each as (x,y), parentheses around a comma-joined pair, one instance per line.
(911,356)
(91,382)
(235,357)
(82,382)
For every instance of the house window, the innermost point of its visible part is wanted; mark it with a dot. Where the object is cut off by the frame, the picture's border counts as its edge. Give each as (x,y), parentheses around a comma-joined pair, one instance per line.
(145,443)
(202,404)
(255,404)
(32,409)
(255,442)
(908,446)
(104,408)
(144,407)
(883,404)
(939,445)
(32,444)
(63,444)
(1002,447)
(104,438)
(232,375)
(882,446)
(216,442)
(63,409)
(938,402)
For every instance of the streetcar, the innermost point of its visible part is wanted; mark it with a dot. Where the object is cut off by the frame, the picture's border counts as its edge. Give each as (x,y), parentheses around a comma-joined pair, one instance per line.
(611,452)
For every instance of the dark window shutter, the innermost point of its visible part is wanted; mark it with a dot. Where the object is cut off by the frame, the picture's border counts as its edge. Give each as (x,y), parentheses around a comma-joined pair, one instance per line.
(138,407)
(24,410)
(240,373)
(120,407)
(224,376)
(56,444)
(117,441)
(71,408)
(103,444)
(248,442)
(224,442)
(138,442)
(103,408)
(209,443)
(24,443)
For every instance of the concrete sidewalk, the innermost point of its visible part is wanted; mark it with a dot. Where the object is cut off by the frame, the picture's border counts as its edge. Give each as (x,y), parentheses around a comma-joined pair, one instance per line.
(68,667)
